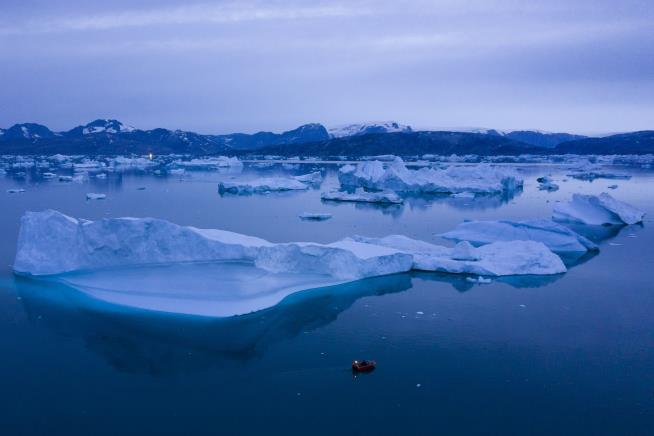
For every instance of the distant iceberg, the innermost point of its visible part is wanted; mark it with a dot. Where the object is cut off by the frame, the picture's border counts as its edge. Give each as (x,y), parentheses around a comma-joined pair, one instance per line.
(258,186)
(556,237)
(314,178)
(209,163)
(361,196)
(597,210)
(454,179)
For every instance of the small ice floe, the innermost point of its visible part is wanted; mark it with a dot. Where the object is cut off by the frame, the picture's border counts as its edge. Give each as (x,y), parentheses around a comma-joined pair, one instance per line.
(360,195)
(210,163)
(545,183)
(612,186)
(93,196)
(101,176)
(177,172)
(48,175)
(420,313)
(479,280)
(591,172)
(15,191)
(615,244)
(556,237)
(258,186)
(597,210)
(314,216)
(463,195)
(397,177)
(65,178)
(314,178)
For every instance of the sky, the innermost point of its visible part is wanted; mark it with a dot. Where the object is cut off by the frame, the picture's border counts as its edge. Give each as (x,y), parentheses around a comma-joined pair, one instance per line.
(583,66)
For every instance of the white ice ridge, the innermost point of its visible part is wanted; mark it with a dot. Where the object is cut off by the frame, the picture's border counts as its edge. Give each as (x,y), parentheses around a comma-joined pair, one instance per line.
(397,177)
(361,196)
(556,237)
(597,210)
(495,259)
(257,186)
(50,242)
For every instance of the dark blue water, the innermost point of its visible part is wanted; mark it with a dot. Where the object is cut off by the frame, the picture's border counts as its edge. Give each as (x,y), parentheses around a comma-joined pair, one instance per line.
(569,354)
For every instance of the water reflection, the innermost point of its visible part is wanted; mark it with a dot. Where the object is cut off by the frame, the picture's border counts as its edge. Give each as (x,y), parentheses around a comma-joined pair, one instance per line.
(138,341)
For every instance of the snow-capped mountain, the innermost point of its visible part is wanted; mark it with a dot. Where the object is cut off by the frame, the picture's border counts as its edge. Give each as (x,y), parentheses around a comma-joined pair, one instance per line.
(29,131)
(101,126)
(367,128)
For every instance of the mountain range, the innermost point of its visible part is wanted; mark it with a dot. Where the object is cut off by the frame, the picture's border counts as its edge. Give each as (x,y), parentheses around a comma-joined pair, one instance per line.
(105,136)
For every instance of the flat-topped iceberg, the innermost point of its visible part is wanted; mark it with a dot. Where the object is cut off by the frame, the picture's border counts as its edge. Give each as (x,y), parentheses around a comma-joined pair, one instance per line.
(361,196)
(597,210)
(556,237)
(494,259)
(454,179)
(258,186)
(50,242)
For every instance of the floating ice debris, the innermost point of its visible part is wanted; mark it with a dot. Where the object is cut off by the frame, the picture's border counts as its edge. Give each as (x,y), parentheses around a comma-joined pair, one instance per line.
(210,163)
(597,210)
(141,188)
(545,183)
(257,186)
(591,172)
(463,195)
(495,259)
(15,191)
(314,178)
(612,186)
(480,280)
(177,171)
(65,178)
(101,176)
(420,313)
(93,196)
(397,177)
(360,195)
(314,216)
(48,175)
(556,237)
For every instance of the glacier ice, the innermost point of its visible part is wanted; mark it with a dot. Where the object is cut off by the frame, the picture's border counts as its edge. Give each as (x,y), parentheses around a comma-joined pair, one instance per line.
(397,177)
(494,259)
(362,196)
(258,186)
(150,263)
(597,210)
(113,242)
(314,178)
(556,237)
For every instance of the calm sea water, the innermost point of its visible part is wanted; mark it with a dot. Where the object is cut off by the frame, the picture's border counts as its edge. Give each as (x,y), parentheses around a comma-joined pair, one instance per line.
(569,354)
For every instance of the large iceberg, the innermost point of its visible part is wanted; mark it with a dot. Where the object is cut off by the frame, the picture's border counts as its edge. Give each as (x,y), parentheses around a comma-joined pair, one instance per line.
(454,179)
(495,259)
(556,237)
(597,210)
(153,264)
(50,242)
(258,186)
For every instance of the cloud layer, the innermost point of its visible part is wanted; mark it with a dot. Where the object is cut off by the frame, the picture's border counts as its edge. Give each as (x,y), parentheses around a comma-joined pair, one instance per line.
(241,66)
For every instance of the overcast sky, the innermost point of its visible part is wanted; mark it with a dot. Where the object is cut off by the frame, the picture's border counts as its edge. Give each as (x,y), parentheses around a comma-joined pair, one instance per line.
(220,67)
